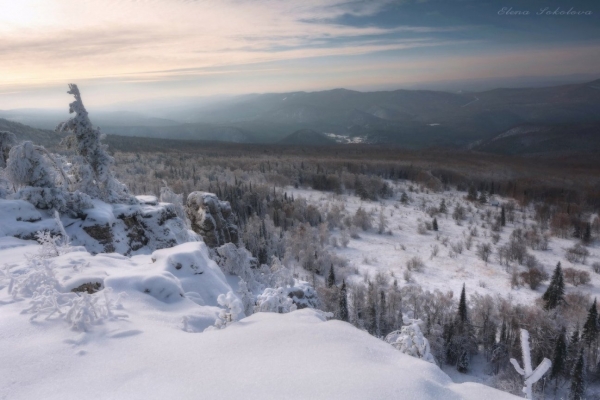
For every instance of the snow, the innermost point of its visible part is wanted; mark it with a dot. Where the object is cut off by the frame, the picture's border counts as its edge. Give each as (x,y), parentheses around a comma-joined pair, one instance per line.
(373,253)
(139,338)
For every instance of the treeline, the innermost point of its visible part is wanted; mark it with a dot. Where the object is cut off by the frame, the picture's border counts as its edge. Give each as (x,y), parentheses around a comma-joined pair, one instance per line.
(566,183)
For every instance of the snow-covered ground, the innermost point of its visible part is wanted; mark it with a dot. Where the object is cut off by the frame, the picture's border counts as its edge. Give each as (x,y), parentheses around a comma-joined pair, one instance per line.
(144,337)
(373,252)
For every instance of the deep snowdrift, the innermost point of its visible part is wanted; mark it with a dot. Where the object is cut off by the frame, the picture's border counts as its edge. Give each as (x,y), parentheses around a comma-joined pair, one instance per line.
(145,350)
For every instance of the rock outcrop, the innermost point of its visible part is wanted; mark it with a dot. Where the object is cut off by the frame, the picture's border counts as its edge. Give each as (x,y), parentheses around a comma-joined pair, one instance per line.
(127,229)
(211,218)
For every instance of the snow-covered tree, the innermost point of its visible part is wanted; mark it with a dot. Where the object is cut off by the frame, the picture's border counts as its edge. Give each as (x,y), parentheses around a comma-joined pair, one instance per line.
(168,196)
(92,172)
(410,339)
(7,141)
(31,165)
(274,300)
(246,298)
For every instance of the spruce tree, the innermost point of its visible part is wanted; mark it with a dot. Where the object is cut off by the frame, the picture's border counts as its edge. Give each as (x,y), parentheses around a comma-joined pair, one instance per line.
(577,391)
(404,198)
(435,224)
(590,329)
(443,208)
(472,194)
(383,322)
(587,233)
(555,293)
(343,302)
(462,307)
(503,216)
(572,351)
(371,323)
(463,362)
(331,278)
(560,355)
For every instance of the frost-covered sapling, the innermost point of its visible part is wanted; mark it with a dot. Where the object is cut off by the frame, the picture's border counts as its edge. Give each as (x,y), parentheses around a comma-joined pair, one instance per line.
(233,311)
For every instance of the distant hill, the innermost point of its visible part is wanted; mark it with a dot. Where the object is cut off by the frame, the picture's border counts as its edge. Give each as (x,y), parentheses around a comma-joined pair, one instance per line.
(38,136)
(307,137)
(405,118)
(544,139)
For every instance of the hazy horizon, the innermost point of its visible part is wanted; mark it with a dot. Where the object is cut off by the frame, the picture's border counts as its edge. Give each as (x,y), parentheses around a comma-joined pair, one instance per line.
(131,51)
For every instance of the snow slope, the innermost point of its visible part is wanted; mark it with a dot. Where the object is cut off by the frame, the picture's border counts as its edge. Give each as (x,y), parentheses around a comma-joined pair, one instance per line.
(145,350)
(373,253)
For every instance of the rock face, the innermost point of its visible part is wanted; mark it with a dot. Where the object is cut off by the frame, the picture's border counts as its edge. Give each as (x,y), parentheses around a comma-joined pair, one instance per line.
(211,218)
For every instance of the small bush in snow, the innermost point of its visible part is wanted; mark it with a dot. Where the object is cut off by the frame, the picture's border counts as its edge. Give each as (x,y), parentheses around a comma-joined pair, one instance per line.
(576,277)
(484,250)
(457,247)
(274,300)
(596,267)
(415,264)
(577,254)
(233,311)
(534,277)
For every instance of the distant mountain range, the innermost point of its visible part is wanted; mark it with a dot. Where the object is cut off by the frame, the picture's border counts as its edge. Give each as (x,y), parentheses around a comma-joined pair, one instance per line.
(518,121)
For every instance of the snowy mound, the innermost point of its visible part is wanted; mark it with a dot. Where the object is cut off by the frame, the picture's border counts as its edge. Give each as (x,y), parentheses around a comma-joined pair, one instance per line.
(139,337)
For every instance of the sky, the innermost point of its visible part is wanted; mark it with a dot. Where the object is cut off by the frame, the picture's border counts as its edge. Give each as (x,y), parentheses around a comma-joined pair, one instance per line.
(135,50)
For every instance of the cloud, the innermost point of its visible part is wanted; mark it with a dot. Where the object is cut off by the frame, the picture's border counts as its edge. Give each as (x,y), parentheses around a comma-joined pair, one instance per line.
(84,39)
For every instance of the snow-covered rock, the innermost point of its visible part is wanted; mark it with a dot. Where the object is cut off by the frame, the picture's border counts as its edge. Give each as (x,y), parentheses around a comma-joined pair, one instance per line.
(211,218)
(104,228)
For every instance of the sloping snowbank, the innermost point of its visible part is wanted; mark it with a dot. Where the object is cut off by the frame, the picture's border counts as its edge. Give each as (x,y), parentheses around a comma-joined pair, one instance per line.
(153,348)
(265,356)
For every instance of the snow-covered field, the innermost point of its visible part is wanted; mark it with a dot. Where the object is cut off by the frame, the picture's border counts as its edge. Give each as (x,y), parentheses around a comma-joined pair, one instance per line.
(143,337)
(448,270)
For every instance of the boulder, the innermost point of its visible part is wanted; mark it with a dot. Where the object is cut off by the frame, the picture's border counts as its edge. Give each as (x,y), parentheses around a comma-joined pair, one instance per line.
(211,218)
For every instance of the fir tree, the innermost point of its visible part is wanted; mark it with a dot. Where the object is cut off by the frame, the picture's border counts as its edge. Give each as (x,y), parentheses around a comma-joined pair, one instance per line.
(463,362)
(404,198)
(555,293)
(383,325)
(472,195)
(572,351)
(590,329)
(577,391)
(503,216)
(435,224)
(462,307)
(330,278)
(343,302)
(483,198)
(443,207)
(560,356)
(587,233)
(371,323)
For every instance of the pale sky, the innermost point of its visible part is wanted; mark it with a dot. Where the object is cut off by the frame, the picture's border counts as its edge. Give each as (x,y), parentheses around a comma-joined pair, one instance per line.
(125,50)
